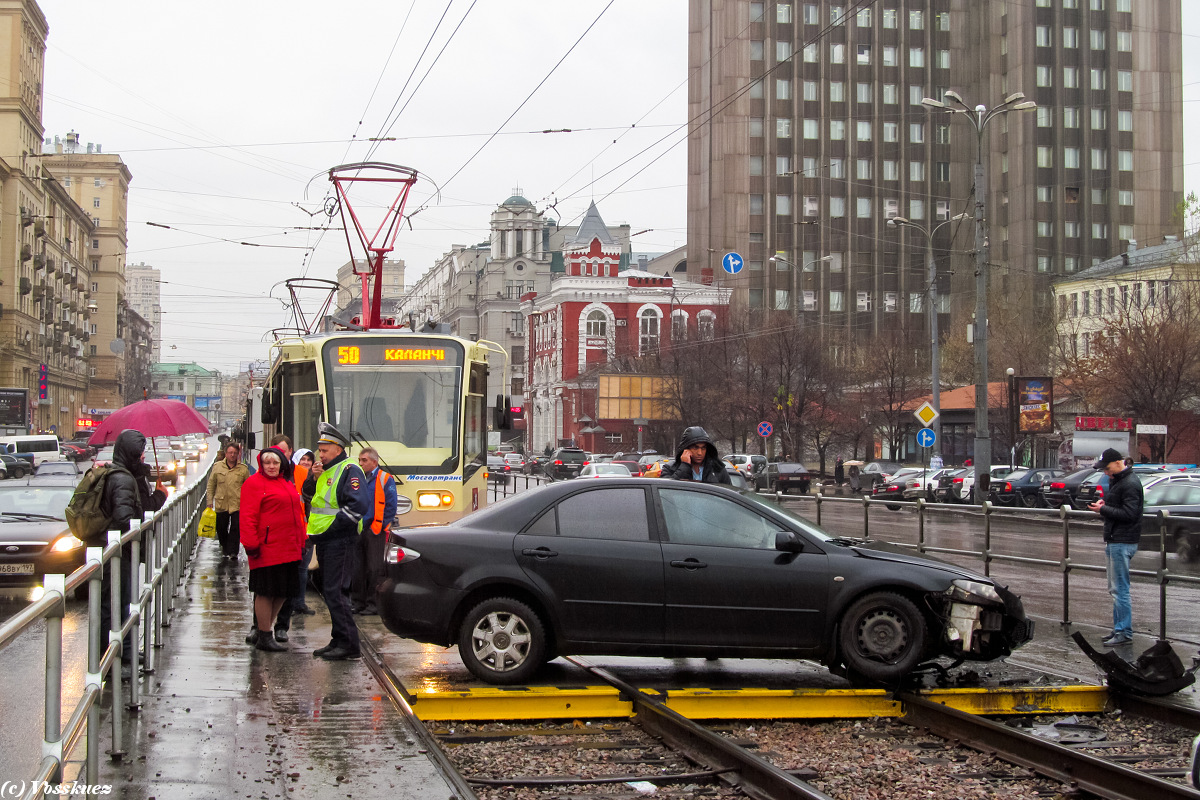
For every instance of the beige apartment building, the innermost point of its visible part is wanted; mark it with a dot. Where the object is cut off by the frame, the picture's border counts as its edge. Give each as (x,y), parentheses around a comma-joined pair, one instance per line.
(808,133)
(143,286)
(99,183)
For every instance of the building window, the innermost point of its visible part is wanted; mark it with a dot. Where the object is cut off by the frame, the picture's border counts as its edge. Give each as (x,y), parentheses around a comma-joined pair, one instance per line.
(783,12)
(1070,77)
(864,92)
(864,54)
(1070,37)
(837,91)
(597,323)
(783,51)
(782,299)
(837,54)
(863,18)
(1071,157)
(98,183)
(755,298)
(811,130)
(1125,160)
(889,56)
(812,206)
(1045,194)
(1097,40)
(837,301)
(943,59)
(1045,76)
(916,209)
(1124,80)
(1045,156)
(1099,119)
(756,50)
(783,89)
(862,169)
(706,322)
(891,207)
(811,55)
(1099,79)
(916,302)
(783,205)
(1099,230)
(1042,36)
(863,301)
(1071,229)
(783,129)
(1070,263)
(837,168)
(95,244)
(916,20)
(1097,5)
(891,132)
(916,57)
(648,330)
(811,14)
(783,165)
(95,202)
(863,207)
(1124,41)
(837,207)
(891,170)
(889,302)
(916,170)
(756,90)
(837,129)
(811,91)
(1125,121)
(1070,116)
(1043,263)
(1099,158)
(891,93)
(1125,198)
(1125,232)
(916,94)
(916,132)
(756,165)
(941,170)
(756,127)
(1045,117)
(756,204)
(891,18)
(863,131)
(942,210)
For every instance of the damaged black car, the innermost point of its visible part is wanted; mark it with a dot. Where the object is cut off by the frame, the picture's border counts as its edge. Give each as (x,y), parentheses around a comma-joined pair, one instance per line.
(675,569)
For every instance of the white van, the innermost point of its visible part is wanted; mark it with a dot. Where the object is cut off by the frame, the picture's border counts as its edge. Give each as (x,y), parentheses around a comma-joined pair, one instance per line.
(43,447)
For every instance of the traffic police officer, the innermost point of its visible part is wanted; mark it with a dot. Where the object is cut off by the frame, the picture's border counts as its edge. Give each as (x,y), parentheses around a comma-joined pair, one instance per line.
(340,499)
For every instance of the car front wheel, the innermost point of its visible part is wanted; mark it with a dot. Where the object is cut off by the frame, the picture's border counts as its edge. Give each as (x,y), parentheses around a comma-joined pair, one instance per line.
(18,473)
(882,636)
(502,641)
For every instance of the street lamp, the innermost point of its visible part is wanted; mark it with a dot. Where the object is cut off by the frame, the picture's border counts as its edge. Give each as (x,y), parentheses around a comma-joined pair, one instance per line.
(979,117)
(807,264)
(935,377)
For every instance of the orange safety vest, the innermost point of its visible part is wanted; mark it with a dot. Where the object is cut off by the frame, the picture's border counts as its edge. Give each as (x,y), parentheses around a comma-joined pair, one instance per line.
(380,502)
(300,474)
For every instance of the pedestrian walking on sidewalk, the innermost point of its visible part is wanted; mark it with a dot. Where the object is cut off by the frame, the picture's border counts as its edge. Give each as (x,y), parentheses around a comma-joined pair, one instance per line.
(1121,508)
(224,495)
(273,531)
(340,500)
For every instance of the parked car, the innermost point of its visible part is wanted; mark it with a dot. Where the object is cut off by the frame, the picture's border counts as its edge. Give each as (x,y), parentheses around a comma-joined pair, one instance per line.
(1093,488)
(1061,491)
(635,469)
(515,461)
(1181,501)
(790,475)
(15,467)
(34,537)
(893,488)
(748,465)
(82,442)
(647,458)
(655,470)
(612,567)
(74,452)
(63,468)
(1022,488)
(949,485)
(498,470)
(924,484)
(605,471)
(877,472)
(966,489)
(565,463)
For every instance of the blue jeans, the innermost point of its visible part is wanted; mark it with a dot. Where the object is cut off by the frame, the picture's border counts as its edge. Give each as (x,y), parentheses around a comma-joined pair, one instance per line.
(1118,556)
(337,566)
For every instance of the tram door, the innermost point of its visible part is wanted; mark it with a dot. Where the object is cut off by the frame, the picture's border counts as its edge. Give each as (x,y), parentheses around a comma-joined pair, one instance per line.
(298,400)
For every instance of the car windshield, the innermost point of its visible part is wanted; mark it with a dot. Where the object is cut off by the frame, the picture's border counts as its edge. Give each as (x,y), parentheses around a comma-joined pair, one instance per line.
(49,501)
(56,468)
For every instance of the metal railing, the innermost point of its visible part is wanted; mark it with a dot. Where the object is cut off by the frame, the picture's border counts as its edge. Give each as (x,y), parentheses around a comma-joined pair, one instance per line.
(159,549)
(1065,514)
(501,488)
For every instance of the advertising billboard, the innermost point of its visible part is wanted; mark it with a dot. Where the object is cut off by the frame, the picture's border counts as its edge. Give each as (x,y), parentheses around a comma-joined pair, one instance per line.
(1035,398)
(14,408)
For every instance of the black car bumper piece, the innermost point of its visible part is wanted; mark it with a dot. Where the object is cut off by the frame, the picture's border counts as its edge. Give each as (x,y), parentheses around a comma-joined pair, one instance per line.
(416,610)
(978,632)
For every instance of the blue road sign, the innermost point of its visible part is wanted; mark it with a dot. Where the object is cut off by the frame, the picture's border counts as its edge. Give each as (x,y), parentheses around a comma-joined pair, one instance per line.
(764,429)
(926,437)
(732,263)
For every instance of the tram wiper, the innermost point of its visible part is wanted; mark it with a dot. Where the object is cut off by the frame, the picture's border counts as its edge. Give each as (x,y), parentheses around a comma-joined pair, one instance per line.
(358,437)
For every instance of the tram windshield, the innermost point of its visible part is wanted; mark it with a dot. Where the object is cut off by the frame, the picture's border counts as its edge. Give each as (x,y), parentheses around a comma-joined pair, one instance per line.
(402,395)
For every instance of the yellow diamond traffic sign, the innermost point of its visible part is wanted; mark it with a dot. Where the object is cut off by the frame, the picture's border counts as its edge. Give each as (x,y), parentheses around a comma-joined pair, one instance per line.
(926,414)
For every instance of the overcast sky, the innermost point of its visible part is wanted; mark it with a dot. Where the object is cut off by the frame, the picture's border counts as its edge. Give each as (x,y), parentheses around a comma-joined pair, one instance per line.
(230,114)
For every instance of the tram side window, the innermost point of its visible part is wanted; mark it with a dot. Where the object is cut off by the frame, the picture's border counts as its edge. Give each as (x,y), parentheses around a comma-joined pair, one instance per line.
(475,428)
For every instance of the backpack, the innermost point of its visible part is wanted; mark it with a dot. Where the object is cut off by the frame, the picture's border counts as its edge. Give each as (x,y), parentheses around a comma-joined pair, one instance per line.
(85,513)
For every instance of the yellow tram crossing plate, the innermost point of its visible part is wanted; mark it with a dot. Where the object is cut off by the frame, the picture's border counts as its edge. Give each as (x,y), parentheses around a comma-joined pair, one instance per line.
(550,702)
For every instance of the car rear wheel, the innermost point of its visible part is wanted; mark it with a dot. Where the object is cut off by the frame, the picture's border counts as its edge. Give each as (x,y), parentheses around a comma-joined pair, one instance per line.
(502,641)
(18,472)
(1185,545)
(882,636)
(1029,500)
(893,506)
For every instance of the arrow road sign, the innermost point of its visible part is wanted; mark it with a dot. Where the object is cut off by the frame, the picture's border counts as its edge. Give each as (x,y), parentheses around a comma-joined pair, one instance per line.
(926,437)
(732,263)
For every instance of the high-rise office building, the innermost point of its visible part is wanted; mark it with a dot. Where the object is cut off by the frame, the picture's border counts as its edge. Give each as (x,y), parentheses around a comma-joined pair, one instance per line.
(143,286)
(808,132)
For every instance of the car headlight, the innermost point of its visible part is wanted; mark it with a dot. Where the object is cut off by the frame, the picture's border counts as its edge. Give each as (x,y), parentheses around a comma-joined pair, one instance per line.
(65,544)
(966,591)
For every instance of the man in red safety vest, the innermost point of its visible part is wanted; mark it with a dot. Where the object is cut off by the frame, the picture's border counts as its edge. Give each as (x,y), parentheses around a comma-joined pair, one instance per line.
(369,568)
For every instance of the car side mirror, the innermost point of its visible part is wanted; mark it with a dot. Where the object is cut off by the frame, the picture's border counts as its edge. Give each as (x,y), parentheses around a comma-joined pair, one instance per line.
(788,542)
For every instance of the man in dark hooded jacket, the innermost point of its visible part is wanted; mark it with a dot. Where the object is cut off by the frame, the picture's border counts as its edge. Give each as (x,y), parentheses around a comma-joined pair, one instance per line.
(127,496)
(697,459)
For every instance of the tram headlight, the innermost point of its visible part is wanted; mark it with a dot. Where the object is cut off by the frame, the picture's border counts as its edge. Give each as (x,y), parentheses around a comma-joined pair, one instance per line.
(435,500)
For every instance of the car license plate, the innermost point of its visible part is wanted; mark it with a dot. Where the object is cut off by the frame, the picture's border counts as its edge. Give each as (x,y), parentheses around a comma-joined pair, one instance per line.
(16,569)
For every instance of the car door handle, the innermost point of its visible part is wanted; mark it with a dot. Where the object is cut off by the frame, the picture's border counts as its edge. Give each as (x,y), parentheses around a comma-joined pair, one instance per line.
(539,552)
(689,563)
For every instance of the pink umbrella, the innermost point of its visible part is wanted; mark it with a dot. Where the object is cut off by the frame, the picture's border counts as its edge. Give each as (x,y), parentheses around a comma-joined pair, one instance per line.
(159,417)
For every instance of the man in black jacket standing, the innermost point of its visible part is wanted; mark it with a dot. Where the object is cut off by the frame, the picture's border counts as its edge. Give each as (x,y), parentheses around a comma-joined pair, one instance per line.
(1121,508)
(697,459)
(127,496)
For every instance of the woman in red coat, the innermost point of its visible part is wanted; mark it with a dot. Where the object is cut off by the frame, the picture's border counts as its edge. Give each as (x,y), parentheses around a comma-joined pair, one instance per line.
(273,531)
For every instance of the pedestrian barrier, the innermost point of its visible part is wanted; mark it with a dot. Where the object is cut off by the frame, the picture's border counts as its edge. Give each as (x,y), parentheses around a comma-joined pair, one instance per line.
(157,552)
(1065,514)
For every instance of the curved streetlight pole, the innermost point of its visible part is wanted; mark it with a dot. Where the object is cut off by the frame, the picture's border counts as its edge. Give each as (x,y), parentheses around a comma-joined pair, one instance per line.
(979,117)
(935,368)
(795,278)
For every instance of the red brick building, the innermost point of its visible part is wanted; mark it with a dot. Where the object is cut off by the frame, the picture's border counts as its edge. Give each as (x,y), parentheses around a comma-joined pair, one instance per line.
(594,317)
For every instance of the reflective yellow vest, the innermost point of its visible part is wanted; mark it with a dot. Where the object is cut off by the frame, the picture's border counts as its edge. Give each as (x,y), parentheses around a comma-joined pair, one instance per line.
(324,502)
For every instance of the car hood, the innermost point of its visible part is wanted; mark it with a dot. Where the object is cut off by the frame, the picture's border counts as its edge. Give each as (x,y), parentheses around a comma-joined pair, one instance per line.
(886,551)
(13,529)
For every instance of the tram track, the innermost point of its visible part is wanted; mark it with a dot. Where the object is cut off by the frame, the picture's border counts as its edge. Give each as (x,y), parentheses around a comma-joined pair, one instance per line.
(1137,749)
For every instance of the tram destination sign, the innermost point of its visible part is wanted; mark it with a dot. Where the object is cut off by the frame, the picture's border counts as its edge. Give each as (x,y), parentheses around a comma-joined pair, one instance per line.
(382,352)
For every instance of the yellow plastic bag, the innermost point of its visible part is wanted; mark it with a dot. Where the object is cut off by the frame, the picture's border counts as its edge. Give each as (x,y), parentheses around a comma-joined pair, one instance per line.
(208,524)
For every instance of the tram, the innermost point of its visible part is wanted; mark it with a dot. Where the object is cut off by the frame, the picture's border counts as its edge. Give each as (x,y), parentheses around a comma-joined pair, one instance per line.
(417,397)
(420,399)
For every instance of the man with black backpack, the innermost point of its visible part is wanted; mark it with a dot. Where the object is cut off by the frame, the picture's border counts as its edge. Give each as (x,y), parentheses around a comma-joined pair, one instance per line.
(125,496)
